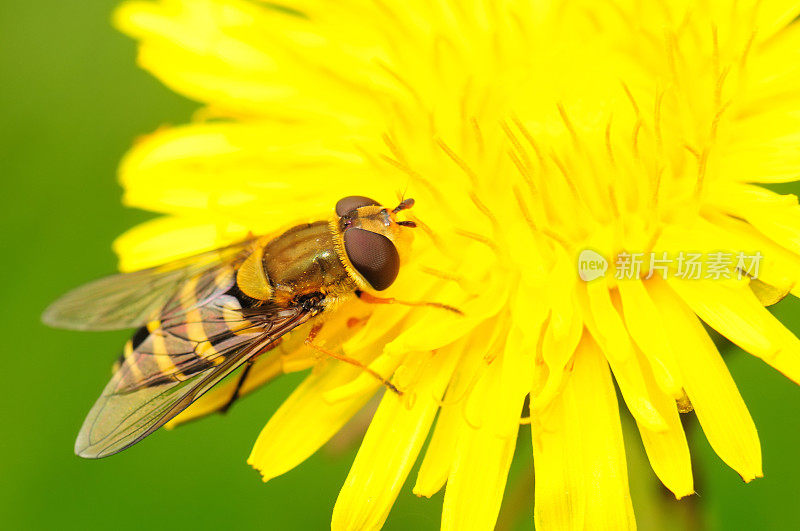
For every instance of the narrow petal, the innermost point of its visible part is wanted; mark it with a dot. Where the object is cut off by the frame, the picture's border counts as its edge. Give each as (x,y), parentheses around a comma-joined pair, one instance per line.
(564,328)
(439,455)
(436,464)
(386,321)
(773,16)
(180,170)
(578,453)
(716,400)
(305,421)
(778,267)
(767,294)
(421,328)
(168,238)
(650,336)
(487,440)
(667,450)
(249,58)
(608,329)
(392,442)
(434,327)
(771,213)
(735,312)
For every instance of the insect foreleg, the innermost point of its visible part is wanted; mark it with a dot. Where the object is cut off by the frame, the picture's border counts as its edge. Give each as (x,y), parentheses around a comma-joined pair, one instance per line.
(372,299)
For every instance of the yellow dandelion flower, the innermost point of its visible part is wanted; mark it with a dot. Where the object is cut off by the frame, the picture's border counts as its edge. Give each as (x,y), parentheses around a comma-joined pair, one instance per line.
(538,139)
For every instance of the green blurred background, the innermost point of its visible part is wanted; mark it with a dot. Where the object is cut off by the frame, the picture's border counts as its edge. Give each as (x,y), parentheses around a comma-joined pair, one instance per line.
(72,101)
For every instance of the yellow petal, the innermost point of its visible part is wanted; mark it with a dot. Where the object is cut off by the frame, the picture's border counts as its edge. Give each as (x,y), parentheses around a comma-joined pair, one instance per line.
(421,328)
(305,421)
(392,442)
(439,455)
(609,330)
(564,328)
(773,16)
(578,453)
(487,439)
(716,400)
(434,327)
(668,450)
(267,170)
(436,464)
(773,214)
(253,59)
(735,312)
(650,336)
(768,294)
(169,238)
(720,232)
(385,320)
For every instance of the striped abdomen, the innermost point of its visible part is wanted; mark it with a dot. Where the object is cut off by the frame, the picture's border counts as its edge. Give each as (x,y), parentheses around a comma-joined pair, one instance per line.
(189,341)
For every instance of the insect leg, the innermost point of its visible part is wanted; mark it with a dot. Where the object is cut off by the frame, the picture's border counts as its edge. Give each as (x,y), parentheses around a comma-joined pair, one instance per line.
(372,299)
(239,383)
(341,357)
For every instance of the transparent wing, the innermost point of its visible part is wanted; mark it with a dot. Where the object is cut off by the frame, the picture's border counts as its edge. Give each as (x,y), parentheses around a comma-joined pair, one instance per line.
(128,300)
(174,366)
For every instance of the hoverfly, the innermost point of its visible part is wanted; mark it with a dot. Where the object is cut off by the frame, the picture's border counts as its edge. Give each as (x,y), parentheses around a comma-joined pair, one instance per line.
(202,317)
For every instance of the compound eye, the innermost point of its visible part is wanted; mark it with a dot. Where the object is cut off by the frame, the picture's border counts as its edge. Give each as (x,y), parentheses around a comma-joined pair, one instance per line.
(373,255)
(350,203)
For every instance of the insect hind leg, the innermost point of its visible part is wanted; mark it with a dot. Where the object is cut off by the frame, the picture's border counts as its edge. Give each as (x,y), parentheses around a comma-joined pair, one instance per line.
(238,389)
(341,357)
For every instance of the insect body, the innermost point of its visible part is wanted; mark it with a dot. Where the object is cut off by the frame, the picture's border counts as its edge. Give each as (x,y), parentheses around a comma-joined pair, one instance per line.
(202,317)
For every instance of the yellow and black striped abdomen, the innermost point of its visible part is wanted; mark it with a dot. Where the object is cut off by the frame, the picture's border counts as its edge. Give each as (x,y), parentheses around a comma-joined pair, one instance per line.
(190,340)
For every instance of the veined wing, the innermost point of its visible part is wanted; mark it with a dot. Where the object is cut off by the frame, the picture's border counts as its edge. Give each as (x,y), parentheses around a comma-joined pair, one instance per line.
(179,359)
(127,300)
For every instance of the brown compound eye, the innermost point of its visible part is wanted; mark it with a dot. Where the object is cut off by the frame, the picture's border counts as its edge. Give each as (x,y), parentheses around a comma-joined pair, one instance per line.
(373,255)
(350,203)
